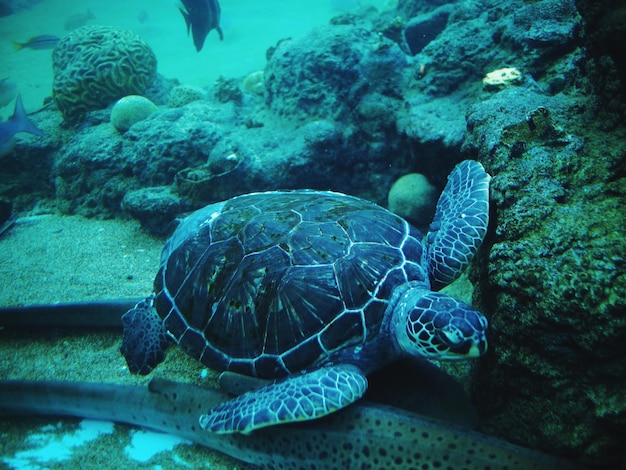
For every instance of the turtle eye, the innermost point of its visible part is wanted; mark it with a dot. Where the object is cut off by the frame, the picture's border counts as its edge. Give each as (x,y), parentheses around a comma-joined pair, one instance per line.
(450,336)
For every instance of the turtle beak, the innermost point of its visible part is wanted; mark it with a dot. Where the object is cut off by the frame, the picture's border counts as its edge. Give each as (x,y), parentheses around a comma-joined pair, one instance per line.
(465,349)
(477,349)
(469,350)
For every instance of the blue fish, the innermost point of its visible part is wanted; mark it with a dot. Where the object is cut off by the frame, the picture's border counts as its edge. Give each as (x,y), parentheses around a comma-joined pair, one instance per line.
(201,17)
(18,122)
(43,41)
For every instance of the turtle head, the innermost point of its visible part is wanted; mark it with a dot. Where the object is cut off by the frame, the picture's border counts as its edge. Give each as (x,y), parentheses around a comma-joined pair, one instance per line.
(437,326)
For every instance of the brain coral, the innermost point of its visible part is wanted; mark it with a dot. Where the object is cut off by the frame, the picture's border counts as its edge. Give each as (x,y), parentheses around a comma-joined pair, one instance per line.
(130,110)
(96,65)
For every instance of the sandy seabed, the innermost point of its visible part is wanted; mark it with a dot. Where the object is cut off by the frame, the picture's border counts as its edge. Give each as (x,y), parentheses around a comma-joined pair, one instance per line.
(51,258)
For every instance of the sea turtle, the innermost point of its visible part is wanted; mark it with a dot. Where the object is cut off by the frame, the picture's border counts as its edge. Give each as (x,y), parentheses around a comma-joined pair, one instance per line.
(314,289)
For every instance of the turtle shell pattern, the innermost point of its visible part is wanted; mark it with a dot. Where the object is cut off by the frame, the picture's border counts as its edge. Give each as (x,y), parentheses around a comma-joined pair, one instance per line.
(268,284)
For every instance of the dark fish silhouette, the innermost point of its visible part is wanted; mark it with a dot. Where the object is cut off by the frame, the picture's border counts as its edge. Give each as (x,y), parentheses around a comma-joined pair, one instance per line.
(201,17)
(142,16)
(78,20)
(18,122)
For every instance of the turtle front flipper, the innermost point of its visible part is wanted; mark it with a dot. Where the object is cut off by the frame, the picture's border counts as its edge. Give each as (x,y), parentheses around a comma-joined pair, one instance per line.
(145,339)
(460,223)
(299,398)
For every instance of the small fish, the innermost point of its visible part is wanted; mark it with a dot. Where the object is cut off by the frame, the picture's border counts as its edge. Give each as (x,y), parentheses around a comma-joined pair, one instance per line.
(142,16)
(18,122)
(201,17)
(43,41)
(78,20)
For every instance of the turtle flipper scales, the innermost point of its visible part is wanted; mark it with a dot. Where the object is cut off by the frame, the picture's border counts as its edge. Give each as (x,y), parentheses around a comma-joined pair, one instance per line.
(297,398)
(145,339)
(460,223)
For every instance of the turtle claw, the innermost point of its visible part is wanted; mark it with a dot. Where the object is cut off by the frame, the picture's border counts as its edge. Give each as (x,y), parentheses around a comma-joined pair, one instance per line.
(145,339)
(298,398)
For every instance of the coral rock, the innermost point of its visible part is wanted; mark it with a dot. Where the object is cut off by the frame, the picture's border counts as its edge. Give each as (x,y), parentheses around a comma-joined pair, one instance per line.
(184,94)
(154,207)
(327,72)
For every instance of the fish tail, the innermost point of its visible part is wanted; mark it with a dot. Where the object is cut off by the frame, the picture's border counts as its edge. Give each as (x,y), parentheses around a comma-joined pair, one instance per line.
(18,46)
(19,117)
(187,19)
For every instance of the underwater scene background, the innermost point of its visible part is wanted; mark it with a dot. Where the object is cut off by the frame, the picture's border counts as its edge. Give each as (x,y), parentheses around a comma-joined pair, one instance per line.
(126,126)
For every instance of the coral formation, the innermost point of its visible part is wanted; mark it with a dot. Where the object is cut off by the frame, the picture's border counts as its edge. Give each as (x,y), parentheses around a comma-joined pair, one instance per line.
(96,65)
(502,78)
(130,110)
(254,83)
(171,141)
(185,94)
(414,198)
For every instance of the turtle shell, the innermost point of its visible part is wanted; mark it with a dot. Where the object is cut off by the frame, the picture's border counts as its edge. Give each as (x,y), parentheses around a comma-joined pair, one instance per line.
(267,284)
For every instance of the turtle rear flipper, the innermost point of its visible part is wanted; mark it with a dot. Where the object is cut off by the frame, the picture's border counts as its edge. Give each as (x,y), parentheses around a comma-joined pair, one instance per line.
(297,398)
(460,223)
(145,339)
